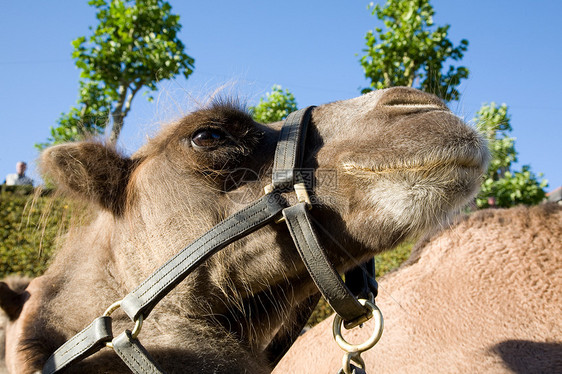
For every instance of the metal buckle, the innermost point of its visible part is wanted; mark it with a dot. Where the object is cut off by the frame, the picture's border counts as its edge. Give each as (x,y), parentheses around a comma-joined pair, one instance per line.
(300,191)
(353,351)
(138,323)
(269,188)
(377,333)
(302,194)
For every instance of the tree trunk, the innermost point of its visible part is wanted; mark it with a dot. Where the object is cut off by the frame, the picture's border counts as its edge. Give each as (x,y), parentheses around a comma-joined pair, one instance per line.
(387,81)
(121,110)
(81,125)
(117,115)
(118,121)
(410,72)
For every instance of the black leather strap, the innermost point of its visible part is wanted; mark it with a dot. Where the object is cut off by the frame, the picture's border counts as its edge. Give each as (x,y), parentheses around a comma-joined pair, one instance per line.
(134,355)
(163,280)
(361,280)
(286,173)
(321,270)
(81,345)
(289,151)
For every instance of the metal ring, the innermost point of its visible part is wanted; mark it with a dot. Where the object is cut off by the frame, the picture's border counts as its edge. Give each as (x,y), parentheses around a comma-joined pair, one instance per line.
(138,323)
(352,356)
(112,308)
(138,326)
(369,343)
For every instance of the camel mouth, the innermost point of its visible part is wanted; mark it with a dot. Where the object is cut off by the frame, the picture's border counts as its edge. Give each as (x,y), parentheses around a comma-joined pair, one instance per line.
(418,106)
(475,162)
(447,183)
(467,164)
(415,195)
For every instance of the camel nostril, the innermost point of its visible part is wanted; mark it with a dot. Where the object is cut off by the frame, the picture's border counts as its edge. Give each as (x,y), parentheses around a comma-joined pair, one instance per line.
(409,98)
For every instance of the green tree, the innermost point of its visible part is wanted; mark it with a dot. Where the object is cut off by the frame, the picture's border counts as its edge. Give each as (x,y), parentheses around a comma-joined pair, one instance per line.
(88,118)
(276,106)
(134,46)
(410,52)
(503,187)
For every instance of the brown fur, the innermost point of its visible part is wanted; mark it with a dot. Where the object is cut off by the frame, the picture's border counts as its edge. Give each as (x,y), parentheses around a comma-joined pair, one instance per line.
(484,296)
(403,163)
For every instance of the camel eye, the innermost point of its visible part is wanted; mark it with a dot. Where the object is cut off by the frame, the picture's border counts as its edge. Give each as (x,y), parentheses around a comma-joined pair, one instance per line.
(207,138)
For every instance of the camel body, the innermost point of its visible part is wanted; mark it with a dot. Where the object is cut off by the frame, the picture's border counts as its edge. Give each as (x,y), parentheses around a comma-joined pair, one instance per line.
(484,296)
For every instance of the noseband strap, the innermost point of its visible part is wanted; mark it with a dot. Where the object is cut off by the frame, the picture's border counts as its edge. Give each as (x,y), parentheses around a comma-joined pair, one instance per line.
(289,152)
(139,303)
(286,174)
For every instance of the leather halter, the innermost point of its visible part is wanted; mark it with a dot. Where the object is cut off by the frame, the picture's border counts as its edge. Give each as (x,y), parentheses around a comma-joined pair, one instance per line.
(139,303)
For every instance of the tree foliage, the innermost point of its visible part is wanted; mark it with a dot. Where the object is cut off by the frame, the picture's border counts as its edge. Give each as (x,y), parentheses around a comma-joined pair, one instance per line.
(275,106)
(411,52)
(503,187)
(88,118)
(134,46)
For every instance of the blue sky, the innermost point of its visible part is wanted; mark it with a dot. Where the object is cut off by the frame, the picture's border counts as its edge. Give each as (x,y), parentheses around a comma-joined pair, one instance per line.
(310,47)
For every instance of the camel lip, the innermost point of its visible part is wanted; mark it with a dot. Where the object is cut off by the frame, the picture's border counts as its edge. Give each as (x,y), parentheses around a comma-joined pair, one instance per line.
(474,158)
(405,105)
(361,168)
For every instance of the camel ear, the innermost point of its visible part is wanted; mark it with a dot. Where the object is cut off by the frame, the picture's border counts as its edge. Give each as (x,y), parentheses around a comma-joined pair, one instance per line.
(11,302)
(92,171)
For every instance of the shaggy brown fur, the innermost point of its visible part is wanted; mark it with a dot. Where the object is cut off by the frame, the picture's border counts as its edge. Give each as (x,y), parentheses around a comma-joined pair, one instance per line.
(484,296)
(402,161)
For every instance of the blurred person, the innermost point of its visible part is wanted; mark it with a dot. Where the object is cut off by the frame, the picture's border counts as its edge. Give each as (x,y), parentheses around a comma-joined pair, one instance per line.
(19,178)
